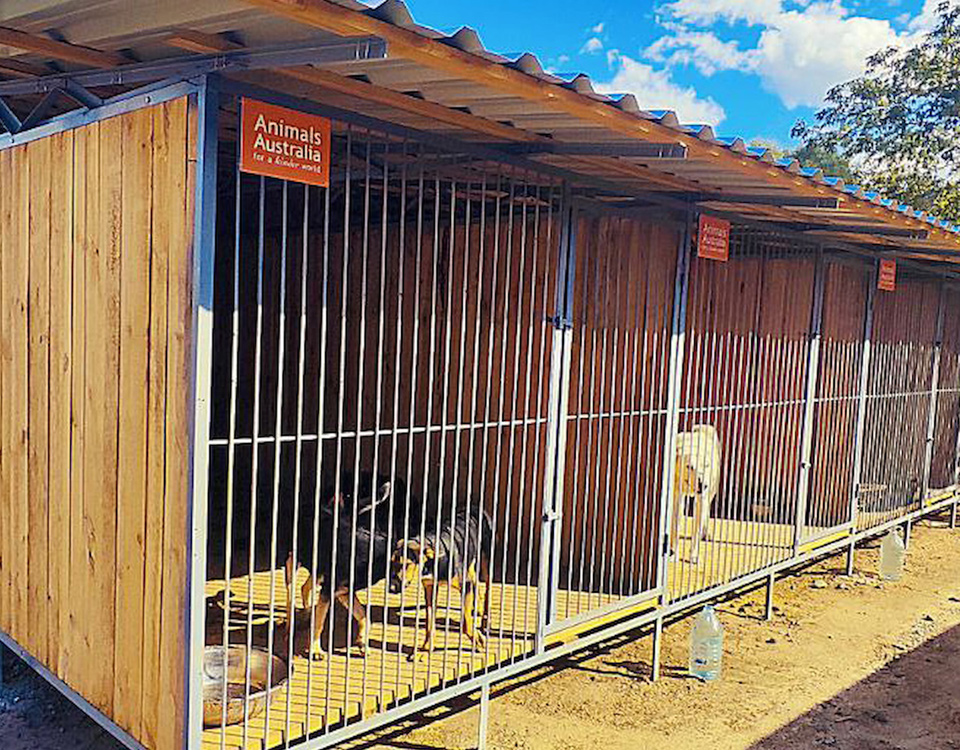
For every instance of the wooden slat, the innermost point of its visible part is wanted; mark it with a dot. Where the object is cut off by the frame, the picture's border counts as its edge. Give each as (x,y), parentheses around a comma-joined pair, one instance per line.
(6,248)
(18,69)
(200,41)
(156,439)
(179,200)
(38,314)
(100,410)
(61,368)
(16,279)
(73,639)
(57,50)
(137,136)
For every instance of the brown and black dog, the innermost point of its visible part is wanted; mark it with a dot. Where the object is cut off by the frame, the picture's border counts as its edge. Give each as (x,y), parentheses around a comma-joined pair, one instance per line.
(458,555)
(352,554)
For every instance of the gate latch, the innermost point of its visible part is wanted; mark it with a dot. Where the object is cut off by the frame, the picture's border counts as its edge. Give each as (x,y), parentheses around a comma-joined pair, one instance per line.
(550,515)
(560,322)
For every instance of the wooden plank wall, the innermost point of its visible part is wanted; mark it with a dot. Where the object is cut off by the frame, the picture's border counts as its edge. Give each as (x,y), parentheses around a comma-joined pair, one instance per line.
(96,303)
(623,303)
(838,389)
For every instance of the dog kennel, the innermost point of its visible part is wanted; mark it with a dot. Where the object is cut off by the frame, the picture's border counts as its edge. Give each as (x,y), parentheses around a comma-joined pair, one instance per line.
(471,347)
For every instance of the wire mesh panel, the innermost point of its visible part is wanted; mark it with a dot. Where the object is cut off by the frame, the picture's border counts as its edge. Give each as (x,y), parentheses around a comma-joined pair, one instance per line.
(741,408)
(381,365)
(837,398)
(616,417)
(944,459)
(898,400)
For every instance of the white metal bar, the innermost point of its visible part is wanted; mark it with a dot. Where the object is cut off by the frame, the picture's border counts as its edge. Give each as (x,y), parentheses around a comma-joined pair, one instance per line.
(201,334)
(812,382)
(857,473)
(675,379)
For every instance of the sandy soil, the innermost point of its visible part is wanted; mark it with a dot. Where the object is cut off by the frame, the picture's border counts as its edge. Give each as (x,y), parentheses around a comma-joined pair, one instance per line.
(850,663)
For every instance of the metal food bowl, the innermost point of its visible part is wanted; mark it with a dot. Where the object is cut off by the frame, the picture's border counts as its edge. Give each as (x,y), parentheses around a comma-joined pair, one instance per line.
(234,666)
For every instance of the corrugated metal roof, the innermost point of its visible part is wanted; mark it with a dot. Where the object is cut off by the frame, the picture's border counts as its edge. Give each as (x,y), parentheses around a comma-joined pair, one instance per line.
(717,164)
(468,40)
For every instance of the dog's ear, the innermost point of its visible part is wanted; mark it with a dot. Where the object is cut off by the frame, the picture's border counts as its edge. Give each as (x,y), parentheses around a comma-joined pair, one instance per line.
(429,553)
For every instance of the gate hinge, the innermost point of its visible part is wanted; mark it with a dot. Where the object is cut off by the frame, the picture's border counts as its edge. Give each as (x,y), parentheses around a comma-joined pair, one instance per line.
(550,515)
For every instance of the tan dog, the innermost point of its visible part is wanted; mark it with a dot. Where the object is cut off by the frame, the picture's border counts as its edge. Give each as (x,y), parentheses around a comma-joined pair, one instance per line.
(696,475)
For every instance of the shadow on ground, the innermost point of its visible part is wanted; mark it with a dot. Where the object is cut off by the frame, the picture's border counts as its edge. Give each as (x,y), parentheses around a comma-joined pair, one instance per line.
(910,704)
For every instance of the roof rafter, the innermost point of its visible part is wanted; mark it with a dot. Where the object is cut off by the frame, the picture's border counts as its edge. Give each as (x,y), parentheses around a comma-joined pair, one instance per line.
(73,53)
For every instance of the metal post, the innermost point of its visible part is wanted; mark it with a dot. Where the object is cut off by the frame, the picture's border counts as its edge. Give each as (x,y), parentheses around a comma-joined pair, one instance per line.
(657,648)
(813,375)
(768,613)
(205,209)
(907,529)
(953,515)
(556,447)
(934,388)
(674,380)
(3,654)
(484,716)
(850,553)
(862,398)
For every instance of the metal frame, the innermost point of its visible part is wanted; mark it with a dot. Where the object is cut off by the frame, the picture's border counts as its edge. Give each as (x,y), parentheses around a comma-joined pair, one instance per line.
(204,243)
(554,467)
(108,725)
(191,66)
(674,383)
(146,96)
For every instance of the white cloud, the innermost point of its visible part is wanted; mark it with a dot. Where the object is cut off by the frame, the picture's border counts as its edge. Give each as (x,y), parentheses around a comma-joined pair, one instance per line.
(656,89)
(598,29)
(802,51)
(707,12)
(702,49)
(804,54)
(591,46)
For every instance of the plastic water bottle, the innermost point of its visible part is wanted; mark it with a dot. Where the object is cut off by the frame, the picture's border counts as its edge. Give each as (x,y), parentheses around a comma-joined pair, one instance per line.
(706,645)
(892,551)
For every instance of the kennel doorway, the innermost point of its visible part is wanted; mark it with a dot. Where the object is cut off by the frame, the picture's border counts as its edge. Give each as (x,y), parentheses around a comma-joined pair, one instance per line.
(744,374)
(396,327)
(899,399)
(615,420)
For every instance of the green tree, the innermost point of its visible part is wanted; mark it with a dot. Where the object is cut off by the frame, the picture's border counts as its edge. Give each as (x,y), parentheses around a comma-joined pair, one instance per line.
(898,125)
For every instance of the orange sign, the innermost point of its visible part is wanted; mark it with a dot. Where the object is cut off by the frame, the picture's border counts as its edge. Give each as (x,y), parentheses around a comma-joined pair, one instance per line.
(887,278)
(283,143)
(713,238)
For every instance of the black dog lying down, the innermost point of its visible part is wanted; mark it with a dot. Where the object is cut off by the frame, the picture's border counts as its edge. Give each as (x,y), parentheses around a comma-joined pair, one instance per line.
(460,555)
(352,549)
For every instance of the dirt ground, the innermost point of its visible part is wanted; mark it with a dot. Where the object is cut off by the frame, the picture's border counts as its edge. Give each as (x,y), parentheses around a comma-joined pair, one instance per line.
(850,663)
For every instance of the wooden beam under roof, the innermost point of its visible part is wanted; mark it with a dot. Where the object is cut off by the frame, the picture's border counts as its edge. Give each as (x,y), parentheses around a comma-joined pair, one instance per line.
(64,51)
(200,41)
(18,69)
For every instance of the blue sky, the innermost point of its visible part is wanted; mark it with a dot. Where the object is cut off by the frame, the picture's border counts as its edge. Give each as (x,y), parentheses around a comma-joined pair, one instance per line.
(751,67)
